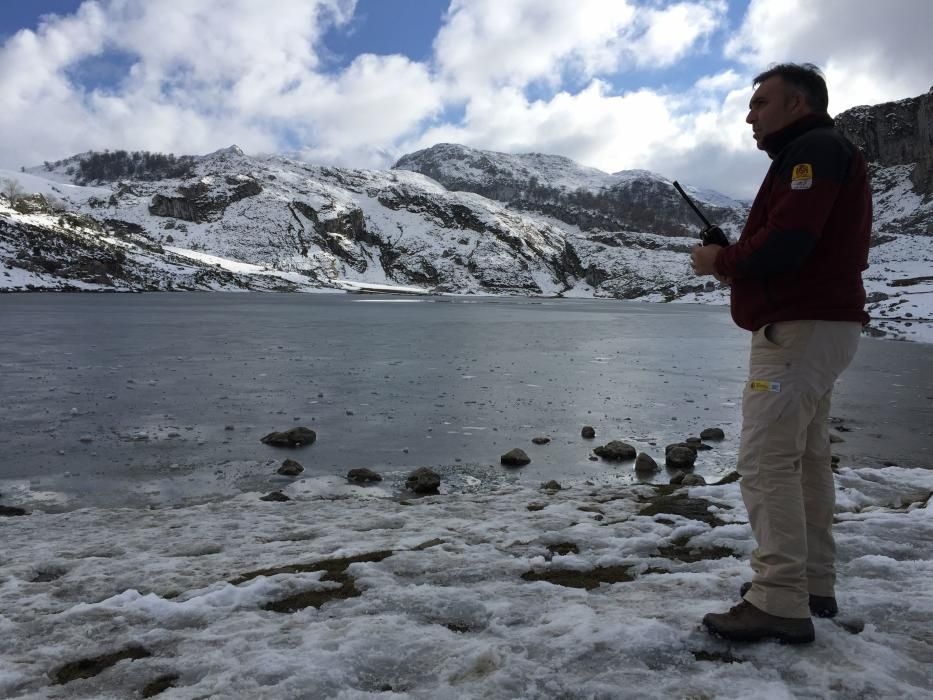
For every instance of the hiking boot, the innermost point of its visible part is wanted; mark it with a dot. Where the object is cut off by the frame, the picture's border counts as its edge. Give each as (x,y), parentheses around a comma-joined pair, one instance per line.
(746,623)
(820,605)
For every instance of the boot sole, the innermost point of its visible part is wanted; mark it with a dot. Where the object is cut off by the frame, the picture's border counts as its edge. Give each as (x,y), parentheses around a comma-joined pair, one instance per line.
(761,636)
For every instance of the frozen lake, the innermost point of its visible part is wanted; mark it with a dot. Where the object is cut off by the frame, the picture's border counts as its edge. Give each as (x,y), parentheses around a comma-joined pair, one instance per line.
(163,397)
(496,588)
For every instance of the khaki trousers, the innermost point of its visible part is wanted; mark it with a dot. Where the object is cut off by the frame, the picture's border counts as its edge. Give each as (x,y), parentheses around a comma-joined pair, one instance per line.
(785,461)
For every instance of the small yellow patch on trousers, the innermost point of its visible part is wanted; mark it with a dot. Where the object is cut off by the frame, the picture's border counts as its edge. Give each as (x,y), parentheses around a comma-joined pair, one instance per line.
(759,385)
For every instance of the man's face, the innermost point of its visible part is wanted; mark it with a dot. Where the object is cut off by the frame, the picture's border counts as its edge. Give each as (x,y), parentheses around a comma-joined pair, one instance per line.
(774,105)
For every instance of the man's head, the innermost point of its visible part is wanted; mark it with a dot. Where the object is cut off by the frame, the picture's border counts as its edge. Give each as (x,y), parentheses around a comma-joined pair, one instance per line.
(784,94)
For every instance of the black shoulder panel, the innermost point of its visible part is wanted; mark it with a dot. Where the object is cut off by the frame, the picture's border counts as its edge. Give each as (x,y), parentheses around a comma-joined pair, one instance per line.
(826,151)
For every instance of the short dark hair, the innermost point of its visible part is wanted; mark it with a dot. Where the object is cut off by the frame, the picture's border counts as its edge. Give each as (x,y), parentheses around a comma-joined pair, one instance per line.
(806,77)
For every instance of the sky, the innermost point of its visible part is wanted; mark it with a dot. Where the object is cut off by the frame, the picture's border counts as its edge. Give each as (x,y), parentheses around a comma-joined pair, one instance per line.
(661,85)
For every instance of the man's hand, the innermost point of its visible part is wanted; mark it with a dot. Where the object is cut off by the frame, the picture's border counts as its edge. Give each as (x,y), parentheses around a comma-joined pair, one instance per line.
(703,259)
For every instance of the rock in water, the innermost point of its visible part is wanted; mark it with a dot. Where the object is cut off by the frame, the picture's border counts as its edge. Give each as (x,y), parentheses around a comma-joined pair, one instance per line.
(644,463)
(713,434)
(423,480)
(588,432)
(541,440)
(290,468)
(363,476)
(296,437)
(616,451)
(680,457)
(276,496)
(515,458)
(693,480)
(697,444)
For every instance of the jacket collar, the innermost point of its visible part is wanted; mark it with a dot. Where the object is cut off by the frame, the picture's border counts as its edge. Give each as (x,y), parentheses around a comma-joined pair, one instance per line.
(775,143)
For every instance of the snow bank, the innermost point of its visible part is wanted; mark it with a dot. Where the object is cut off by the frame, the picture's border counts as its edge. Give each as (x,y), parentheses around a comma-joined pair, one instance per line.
(443,610)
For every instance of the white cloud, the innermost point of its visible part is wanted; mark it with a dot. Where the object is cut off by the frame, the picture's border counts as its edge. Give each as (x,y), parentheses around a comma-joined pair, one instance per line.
(592,126)
(870,51)
(671,32)
(205,73)
(489,43)
(727,80)
(376,101)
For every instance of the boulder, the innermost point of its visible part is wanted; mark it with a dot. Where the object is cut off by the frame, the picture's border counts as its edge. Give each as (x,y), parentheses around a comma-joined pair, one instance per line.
(551,485)
(276,496)
(680,457)
(644,463)
(296,437)
(712,434)
(616,451)
(697,444)
(588,432)
(541,440)
(290,468)
(363,476)
(515,458)
(423,480)
(693,480)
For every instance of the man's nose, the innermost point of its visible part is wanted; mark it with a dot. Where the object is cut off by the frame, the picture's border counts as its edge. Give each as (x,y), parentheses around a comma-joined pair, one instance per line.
(749,119)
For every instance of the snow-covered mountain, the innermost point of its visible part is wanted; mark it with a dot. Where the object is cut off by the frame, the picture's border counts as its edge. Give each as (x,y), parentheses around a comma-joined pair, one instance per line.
(449,219)
(629,200)
(272,222)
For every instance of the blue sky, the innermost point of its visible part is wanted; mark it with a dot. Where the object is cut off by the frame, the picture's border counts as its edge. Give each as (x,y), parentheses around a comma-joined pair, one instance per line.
(406,27)
(614,84)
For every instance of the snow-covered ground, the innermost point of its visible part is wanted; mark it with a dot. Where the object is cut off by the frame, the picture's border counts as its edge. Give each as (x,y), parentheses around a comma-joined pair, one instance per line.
(899,283)
(54,185)
(453,598)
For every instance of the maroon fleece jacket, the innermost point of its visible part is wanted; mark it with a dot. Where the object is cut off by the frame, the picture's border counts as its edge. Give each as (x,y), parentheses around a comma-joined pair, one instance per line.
(805,244)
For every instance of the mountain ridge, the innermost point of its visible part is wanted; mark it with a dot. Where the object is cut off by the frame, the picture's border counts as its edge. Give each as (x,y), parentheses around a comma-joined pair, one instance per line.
(448,219)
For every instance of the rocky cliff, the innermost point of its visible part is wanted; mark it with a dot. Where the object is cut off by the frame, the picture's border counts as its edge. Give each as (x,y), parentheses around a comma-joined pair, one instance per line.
(897,140)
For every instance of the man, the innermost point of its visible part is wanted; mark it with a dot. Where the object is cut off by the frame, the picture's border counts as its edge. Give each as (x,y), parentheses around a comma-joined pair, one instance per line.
(795,274)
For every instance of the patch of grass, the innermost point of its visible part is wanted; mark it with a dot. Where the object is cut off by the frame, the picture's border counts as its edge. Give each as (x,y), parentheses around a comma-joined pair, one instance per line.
(563,548)
(335,570)
(680,550)
(330,565)
(582,579)
(160,685)
(315,599)
(725,657)
(654,570)
(684,506)
(665,489)
(90,667)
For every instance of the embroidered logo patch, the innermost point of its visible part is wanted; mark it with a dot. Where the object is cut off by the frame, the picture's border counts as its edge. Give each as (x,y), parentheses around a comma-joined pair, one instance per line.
(801,178)
(759,385)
